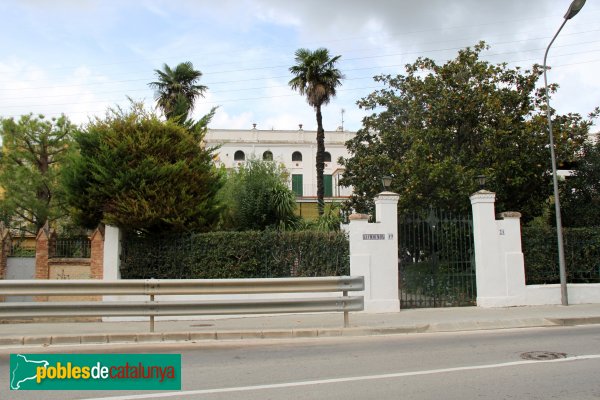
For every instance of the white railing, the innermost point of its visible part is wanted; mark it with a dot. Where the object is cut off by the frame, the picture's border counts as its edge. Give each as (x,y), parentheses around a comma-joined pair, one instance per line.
(153,287)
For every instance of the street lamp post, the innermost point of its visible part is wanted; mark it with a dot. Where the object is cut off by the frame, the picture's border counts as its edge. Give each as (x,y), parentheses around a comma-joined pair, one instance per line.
(574,8)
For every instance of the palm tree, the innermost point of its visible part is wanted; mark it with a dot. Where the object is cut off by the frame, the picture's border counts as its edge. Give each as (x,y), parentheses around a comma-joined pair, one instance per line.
(176,90)
(316,77)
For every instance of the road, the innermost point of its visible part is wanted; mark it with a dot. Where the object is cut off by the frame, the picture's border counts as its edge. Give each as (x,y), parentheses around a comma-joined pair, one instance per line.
(468,365)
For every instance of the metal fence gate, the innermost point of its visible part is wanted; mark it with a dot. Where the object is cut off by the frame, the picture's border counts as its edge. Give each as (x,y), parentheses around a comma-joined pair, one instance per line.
(436,260)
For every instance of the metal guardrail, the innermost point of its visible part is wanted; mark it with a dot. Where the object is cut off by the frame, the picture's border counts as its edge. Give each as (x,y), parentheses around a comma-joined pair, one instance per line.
(179,286)
(153,287)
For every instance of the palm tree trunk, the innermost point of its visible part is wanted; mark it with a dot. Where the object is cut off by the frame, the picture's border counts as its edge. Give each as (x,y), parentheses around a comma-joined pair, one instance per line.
(320,160)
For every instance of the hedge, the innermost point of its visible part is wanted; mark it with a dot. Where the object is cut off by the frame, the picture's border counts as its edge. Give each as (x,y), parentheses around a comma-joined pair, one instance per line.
(582,255)
(230,255)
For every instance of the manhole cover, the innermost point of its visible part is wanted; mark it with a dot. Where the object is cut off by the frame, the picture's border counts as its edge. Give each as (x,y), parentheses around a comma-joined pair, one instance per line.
(542,355)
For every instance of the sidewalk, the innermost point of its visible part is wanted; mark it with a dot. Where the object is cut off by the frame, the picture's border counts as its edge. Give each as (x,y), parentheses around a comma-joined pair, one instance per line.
(297,325)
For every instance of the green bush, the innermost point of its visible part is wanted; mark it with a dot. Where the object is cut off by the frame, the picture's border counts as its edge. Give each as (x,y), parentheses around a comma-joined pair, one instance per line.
(231,255)
(140,173)
(582,255)
(256,197)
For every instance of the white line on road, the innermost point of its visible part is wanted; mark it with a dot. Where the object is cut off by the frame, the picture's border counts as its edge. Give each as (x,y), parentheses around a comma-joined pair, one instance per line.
(340,380)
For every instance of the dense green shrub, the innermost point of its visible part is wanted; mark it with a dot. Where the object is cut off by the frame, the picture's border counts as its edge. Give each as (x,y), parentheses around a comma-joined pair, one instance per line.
(256,197)
(140,173)
(582,255)
(250,254)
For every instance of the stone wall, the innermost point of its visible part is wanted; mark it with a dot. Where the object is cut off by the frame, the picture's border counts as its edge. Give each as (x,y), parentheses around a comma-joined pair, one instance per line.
(48,266)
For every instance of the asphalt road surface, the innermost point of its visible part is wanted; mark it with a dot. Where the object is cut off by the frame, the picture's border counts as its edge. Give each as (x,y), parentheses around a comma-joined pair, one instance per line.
(469,365)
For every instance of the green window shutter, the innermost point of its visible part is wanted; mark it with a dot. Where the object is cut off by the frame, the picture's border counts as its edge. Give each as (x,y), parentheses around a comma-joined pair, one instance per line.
(297,185)
(327,186)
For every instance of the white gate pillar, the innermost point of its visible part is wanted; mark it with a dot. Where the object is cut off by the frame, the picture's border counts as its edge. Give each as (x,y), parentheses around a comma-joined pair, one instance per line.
(500,270)
(112,252)
(374,254)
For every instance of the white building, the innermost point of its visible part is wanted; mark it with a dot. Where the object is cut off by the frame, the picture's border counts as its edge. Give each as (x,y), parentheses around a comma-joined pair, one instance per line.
(296,150)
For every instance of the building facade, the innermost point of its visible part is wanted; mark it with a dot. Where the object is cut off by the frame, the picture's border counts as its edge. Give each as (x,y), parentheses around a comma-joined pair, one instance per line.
(296,150)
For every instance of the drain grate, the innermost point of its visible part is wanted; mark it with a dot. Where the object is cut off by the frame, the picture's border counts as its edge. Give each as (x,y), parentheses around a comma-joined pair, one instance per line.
(542,355)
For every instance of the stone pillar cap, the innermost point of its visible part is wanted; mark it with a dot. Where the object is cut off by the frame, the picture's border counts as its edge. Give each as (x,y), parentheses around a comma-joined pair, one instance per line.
(509,214)
(355,217)
(484,195)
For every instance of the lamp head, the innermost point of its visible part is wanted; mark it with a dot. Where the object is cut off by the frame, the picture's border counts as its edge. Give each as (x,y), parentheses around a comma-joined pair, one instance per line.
(480,179)
(386,181)
(574,8)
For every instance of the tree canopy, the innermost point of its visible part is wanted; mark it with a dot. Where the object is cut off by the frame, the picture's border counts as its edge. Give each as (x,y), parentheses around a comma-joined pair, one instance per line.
(580,193)
(33,153)
(437,127)
(140,173)
(317,78)
(176,90)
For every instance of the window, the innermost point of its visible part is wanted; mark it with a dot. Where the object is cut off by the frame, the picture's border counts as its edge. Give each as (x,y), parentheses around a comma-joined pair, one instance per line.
(327,157)
(297,185)
(296,156)
(239,156)
(327,186)
(267,156)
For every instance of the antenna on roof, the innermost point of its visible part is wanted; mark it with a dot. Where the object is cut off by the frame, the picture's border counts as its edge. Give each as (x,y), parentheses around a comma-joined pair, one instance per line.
(343,111)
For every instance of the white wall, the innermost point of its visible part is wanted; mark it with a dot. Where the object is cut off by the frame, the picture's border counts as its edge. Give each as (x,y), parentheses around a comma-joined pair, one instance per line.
(579,293)
(500,265)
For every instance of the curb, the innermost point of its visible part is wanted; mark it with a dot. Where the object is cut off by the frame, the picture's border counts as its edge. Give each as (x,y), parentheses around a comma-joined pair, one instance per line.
(174,337)
(572,321)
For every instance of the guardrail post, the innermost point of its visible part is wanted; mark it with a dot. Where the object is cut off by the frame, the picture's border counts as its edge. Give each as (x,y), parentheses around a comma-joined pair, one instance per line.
(150,286)
(152,316)
(346,314)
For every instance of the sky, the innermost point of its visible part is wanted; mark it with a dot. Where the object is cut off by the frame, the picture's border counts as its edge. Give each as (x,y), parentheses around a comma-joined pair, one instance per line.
(79,57)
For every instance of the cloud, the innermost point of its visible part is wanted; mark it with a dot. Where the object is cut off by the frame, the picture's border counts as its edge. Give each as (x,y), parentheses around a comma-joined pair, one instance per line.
(81,56)
(29,88)
(223,120)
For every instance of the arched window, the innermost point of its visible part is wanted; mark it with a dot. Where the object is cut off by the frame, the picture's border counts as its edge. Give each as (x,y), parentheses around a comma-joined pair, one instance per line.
(267,156)
(239,156)
(327,157)
(296,156)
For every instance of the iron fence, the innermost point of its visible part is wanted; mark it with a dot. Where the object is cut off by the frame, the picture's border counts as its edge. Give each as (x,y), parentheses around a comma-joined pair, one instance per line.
(74,247)
(20,250)
(436,260)
(582,255)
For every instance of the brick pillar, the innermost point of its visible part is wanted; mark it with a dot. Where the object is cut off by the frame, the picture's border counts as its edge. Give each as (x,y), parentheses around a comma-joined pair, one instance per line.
(97,253)
(5,243)
(45,246)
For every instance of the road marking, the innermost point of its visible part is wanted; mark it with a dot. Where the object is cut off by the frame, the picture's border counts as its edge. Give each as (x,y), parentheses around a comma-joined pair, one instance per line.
(341,380)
